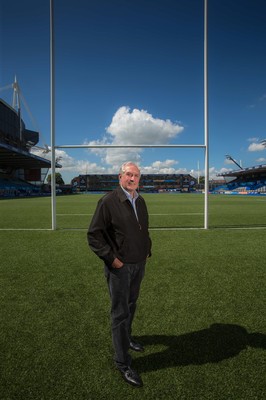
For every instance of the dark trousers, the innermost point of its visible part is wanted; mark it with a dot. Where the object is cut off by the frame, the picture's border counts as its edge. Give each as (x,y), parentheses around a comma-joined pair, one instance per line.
(124,286)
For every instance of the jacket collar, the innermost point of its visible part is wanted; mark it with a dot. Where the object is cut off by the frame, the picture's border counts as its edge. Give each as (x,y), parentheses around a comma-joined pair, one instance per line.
(121,194)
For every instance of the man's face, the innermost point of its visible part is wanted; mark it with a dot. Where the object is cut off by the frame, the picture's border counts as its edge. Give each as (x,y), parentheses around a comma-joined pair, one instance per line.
(129,180)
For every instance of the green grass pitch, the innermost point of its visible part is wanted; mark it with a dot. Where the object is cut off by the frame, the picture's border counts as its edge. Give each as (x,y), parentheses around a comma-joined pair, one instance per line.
(201,312)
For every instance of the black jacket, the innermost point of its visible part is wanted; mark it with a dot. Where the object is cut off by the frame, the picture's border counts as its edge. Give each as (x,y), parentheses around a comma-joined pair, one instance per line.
(116,232)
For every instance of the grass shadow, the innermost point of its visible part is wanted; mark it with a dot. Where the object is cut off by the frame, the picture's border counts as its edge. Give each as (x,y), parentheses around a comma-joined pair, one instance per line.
(212,345)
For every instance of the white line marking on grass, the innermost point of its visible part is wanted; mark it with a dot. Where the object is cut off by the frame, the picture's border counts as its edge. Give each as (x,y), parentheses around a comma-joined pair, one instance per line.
(173,229)
(209,229)
(25,229)
(181,214)
(182,229)
(69,215)
(240,227)
(150,229)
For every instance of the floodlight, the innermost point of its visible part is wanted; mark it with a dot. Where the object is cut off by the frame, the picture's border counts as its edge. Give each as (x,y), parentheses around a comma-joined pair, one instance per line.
(232,159)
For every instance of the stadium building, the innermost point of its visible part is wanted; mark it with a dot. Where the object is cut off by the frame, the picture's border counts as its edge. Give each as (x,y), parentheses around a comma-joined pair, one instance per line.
(251,180)
(148,183)
(245,180)
(21,172)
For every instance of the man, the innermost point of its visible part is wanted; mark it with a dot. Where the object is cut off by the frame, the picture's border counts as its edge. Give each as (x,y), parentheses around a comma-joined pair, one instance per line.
(118,234)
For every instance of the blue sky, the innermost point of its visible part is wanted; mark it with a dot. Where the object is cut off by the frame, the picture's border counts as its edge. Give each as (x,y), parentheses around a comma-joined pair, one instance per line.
(131,72)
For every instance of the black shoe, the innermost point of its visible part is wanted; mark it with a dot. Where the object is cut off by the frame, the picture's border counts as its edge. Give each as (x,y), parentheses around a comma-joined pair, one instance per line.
(131,377)
(135,346)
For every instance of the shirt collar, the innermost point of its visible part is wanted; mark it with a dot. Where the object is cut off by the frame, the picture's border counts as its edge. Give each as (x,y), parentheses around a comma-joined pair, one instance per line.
(136,195)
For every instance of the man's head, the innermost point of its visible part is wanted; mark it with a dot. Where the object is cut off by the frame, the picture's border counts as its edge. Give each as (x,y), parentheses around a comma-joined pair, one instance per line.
(129,176)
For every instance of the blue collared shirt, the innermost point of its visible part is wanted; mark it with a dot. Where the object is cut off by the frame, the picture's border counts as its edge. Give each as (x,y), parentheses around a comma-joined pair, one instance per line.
(132,200)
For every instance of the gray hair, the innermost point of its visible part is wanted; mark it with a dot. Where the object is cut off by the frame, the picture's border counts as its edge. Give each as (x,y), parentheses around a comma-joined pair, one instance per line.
(123,167)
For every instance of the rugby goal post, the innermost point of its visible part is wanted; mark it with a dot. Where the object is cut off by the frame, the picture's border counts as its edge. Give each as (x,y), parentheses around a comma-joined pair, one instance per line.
(205,146)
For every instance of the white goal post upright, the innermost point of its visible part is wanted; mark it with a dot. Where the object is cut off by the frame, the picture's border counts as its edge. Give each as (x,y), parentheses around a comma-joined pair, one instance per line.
(52,116)
(205,146)
(206,117)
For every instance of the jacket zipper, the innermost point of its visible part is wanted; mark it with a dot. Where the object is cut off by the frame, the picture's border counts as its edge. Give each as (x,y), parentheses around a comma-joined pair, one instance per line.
(135,214)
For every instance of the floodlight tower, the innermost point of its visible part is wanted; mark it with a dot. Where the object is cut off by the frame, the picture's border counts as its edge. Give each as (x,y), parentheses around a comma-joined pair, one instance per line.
(234,161)
(16,103)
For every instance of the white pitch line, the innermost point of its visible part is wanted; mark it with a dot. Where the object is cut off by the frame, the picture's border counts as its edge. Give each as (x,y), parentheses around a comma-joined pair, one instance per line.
(25,229)
(211,229)
(185,228)
(150,229)
(65,215)
(181,214)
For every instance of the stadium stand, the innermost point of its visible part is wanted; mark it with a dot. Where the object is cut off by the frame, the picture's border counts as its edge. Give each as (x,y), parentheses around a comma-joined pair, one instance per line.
(21,172)
(249,180)
(148,183)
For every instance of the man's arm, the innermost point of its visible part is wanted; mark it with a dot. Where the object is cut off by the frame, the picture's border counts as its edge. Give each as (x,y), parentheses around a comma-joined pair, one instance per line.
(97,235)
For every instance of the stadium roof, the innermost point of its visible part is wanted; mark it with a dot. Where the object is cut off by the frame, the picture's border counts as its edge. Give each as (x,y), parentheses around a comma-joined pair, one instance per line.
(12,157)
(258,169)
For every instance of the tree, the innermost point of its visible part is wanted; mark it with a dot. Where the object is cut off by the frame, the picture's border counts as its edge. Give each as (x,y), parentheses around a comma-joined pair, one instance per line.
(58,179)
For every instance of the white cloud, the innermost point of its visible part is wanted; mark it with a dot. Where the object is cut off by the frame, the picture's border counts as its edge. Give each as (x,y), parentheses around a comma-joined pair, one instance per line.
(61,156)
(140,127)
(97,151)
(261,160)
(256,147)
(263,97)
(136,127)
(128,128)
(164,164)
(259,100)
(227,161)
(162,167)
(223,170)
(70,164)
(212,173)
(72,167)
(116,157)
